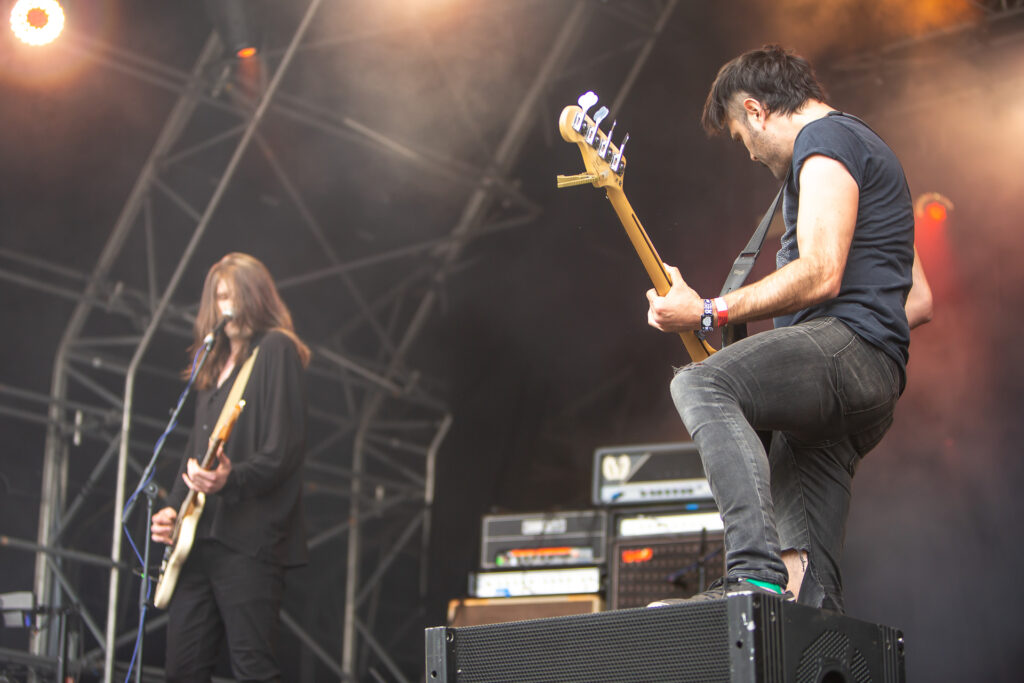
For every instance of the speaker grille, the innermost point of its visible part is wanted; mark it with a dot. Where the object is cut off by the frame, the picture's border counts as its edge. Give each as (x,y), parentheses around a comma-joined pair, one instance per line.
(832,650)
(679,566)
(595,648)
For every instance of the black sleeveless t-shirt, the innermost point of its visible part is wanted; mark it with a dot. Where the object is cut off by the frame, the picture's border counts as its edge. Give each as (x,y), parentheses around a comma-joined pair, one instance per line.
(877,277)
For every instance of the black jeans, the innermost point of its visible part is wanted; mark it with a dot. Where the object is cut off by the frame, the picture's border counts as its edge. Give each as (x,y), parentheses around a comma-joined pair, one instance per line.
(224,593)
(828,398)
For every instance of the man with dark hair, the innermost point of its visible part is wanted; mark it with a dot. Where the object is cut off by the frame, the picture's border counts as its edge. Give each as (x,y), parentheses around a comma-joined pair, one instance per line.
(826,379)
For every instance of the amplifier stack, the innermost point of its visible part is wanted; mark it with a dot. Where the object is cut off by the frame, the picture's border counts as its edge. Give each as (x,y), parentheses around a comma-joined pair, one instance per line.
(535,565)
(654,533)
(665,533)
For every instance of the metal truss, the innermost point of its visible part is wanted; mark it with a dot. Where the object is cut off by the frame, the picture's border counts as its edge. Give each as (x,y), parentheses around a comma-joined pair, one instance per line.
(899,78)
(996,8)
(996,20)
(377,424)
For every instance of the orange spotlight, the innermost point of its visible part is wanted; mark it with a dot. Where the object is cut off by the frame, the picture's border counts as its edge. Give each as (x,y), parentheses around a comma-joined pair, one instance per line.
(239,23)
(933,206)
(935,211)
(37,22)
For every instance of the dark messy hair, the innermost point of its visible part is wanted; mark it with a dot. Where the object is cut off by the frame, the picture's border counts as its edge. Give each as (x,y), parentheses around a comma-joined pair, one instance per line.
(257,306)
(777,78)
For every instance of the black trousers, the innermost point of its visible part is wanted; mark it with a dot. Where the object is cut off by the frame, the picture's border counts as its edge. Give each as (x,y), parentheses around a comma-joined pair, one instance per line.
(221,596)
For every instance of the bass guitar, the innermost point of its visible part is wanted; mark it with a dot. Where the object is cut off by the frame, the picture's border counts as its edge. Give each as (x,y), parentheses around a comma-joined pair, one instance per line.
(606,165)
(184,534)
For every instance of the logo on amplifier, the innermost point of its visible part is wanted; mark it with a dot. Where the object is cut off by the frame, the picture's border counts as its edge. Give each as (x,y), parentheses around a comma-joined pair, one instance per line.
(622,467)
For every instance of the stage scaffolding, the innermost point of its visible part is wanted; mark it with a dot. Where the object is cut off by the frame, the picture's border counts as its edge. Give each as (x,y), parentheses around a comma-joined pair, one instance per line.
(377,423)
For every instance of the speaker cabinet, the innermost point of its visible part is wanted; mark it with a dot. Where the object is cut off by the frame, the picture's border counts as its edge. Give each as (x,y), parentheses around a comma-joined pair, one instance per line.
(478,611)
(647,569)
(748,638)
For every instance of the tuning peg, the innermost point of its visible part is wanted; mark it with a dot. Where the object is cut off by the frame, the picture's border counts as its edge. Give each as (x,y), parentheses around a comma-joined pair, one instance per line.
(617,159)
(599,116)
(602,149)
(586,101)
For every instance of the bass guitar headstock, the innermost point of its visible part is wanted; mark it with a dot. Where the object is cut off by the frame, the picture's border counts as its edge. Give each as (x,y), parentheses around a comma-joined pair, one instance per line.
(603,160)
(606,165)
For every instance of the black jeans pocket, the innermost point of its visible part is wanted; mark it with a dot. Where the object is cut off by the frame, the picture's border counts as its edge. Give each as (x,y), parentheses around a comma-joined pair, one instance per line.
(867,380)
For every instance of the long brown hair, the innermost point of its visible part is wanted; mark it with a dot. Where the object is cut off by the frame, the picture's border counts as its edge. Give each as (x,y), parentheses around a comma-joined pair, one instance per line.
(257,306)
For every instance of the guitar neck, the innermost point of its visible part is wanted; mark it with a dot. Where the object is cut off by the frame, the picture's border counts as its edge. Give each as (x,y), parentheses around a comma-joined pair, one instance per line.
(210,459)
(697,348)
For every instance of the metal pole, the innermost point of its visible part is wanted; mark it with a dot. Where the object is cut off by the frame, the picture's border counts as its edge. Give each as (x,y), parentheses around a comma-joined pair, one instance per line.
(313,646)
(348,642)
(641,59)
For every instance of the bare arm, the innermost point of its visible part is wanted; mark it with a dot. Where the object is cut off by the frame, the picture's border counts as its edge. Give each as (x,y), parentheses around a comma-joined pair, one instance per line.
(828,214)
(919,299)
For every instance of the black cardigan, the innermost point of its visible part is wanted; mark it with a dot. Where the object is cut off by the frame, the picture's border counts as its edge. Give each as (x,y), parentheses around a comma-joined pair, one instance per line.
(259,510)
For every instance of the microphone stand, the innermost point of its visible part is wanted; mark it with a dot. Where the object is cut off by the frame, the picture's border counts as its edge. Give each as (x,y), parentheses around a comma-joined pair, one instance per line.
(149,489)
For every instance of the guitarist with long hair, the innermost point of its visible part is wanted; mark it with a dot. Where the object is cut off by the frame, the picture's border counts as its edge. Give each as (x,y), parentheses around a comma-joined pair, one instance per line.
(251,527)
(826,379)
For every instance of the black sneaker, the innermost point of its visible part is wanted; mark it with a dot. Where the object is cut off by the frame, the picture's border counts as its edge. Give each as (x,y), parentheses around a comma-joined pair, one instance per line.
(721,589)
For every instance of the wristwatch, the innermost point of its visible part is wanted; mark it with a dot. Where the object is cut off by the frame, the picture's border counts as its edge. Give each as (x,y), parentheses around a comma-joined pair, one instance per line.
(707,321)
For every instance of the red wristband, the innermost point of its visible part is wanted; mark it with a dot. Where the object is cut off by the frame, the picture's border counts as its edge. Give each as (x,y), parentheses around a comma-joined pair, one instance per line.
(723,312)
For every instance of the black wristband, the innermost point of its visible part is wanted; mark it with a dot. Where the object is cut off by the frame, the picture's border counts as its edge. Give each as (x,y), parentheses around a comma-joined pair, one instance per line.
(707,321)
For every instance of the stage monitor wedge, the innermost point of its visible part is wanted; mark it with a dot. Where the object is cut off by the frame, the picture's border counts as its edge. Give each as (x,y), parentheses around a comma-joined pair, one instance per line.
(746,638)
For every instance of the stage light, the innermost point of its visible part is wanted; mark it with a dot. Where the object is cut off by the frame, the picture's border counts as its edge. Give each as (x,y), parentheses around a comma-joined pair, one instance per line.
(933,207)
(238,23)
(37,22)
(935,210)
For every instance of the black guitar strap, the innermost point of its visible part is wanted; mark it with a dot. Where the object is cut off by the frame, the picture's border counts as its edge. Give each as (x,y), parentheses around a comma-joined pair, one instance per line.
(744,264)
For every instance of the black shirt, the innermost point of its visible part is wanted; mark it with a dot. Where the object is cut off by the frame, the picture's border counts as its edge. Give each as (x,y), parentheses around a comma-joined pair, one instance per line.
(259,510)
(878,276)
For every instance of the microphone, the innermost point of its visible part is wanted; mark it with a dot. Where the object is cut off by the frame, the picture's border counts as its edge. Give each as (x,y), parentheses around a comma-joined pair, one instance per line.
(226,317)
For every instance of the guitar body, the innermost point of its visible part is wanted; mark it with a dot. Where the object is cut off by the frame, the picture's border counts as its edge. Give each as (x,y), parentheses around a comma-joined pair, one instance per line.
(187,522)
(175,555)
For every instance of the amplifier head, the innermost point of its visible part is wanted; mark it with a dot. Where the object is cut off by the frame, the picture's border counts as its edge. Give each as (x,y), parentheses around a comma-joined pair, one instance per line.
(649,474)
(543,539)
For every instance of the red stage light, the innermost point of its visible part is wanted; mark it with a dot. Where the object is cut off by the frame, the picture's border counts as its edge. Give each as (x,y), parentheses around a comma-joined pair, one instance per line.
(933,208)
(936,211)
